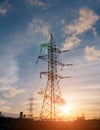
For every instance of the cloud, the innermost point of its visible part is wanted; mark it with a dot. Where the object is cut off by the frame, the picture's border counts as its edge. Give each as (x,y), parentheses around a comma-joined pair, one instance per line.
(9,77)
(12,92)
(18,42)
(5,108)
(91,53)
(71,42)
(3,105)
(2,102)
(38,26)
(84,23)
(3,11)
(87,18)
(38,3)
(62,21)
(8,70)
(4,7)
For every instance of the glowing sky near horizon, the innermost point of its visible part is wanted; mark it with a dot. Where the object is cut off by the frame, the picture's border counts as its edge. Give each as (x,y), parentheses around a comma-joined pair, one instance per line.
(24,25)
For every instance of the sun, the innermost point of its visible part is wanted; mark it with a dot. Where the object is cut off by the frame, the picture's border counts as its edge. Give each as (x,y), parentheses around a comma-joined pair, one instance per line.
(66,109)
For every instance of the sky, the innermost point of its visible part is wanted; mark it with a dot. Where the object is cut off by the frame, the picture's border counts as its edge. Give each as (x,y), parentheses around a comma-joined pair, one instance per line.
(24,26)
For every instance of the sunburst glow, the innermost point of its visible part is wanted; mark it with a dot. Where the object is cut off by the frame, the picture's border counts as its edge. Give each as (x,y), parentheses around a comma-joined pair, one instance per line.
(66,109)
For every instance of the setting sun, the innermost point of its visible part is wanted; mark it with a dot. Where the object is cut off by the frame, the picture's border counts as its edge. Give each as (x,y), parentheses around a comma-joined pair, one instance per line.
(66,109)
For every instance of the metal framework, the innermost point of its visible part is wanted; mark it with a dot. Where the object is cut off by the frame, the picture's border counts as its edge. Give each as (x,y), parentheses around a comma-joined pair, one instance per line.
(30,106)
(52,95)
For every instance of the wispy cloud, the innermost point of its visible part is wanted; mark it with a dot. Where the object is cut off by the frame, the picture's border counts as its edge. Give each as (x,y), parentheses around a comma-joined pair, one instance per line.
(38,26)
(87,18)
(3,11)
(4,105)
(19,42)
(91,53)
(83,23)
(2,102)
(4,7)
(9,68)
(71,42)
(9,77)
(5,108)
(12,92)
(9,72)
(62,21)
(38,3)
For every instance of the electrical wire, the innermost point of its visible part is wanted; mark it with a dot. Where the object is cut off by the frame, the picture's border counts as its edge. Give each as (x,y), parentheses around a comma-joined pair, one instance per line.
(79,76)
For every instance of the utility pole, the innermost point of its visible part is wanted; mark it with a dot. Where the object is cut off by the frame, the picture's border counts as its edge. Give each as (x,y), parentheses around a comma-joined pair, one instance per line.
(52,95)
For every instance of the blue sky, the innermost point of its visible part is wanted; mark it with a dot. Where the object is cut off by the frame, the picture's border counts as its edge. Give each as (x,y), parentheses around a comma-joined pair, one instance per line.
(24,25)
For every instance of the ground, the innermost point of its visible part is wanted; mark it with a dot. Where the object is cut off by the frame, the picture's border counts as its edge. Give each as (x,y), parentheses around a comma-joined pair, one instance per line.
(27,124)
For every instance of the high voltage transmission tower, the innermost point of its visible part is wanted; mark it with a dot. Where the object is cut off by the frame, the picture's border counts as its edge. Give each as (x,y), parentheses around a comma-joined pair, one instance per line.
(52,94)
(30,104)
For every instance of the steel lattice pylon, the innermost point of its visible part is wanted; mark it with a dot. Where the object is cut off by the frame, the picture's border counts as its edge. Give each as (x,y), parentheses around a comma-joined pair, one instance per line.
(30,106)
(52,94)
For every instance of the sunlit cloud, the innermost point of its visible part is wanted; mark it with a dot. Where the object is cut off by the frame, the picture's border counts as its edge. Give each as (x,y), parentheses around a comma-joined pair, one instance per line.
(91,53)
(71,42)
(87,18)
(5,108)
(4,105)
(84,23)
(12,92)
(2,102)
(4,7)
(38,26)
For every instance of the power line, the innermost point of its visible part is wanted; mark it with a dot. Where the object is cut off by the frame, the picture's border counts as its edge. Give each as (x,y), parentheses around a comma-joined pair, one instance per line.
(92,74)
